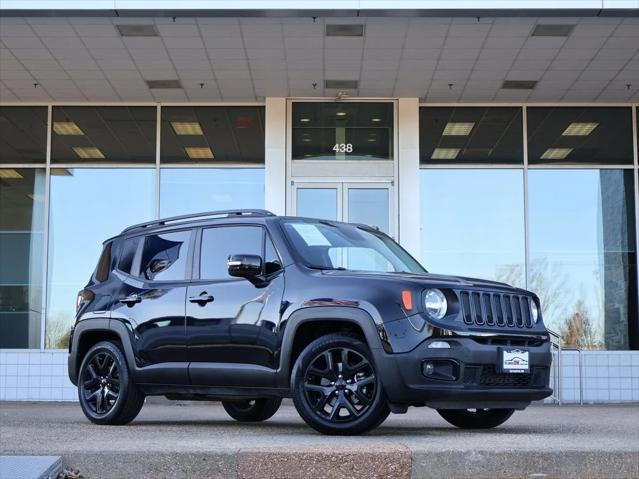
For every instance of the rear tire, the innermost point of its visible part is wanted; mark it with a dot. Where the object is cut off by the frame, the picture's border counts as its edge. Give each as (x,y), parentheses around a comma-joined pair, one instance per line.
(252,410)
(106,390)
(476,419)
(335,386)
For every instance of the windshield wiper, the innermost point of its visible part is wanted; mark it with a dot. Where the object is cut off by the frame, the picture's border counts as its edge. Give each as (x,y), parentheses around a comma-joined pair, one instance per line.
(327,268)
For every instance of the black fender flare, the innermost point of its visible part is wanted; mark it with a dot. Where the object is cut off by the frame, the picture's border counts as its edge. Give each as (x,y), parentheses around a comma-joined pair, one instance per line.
(353,315)
(104,325)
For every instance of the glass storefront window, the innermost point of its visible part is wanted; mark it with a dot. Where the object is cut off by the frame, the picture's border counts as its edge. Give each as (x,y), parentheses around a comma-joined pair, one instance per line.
(342,131)
(22,218)
(472,223)
(23,134)
(471,135)
(184,191)
(580,135)
(583,261)
(105,134)
(87,206)
(210,135)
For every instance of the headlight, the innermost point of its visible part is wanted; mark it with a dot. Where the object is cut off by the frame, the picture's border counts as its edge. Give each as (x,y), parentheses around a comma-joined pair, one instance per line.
(435,303)
(534,310)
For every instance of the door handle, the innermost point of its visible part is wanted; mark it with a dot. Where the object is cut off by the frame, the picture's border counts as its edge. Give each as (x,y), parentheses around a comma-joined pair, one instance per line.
(202,299)
(131,300)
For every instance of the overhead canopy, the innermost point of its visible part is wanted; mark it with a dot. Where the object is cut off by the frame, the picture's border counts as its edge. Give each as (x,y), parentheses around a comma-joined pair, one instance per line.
(100,57)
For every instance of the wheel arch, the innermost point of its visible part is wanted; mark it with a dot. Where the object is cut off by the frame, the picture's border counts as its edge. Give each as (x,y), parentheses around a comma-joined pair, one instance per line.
(308,324)
(91,331)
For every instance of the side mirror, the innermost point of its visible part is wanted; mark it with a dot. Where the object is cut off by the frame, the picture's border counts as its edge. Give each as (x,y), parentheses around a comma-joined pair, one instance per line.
(247,266)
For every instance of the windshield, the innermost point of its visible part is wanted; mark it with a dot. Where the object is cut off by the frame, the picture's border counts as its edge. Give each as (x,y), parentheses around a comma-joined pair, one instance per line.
(325,245)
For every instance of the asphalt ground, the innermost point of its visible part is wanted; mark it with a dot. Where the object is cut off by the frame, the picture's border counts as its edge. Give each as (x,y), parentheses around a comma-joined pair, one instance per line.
(199,440)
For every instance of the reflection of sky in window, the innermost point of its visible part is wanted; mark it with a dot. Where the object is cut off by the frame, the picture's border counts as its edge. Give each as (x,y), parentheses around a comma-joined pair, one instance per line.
(473,223)
(87,208)
(567,219)
(184,191)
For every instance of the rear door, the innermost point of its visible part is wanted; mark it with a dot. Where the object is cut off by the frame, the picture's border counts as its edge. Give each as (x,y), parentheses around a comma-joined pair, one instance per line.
(230,321)
(152,304)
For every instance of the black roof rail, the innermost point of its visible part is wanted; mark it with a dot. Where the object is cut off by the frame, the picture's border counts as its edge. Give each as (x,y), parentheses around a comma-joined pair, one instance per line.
(221,214)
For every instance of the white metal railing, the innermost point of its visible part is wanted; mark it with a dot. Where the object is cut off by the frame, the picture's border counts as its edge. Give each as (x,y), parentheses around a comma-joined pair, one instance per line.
(556,350)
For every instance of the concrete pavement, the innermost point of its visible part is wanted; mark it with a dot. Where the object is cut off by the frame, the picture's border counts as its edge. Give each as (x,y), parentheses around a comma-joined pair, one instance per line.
(197,440)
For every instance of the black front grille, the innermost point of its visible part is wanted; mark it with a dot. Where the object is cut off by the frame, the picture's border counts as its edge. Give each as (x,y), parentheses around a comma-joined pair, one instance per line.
(490,377)
(496,309)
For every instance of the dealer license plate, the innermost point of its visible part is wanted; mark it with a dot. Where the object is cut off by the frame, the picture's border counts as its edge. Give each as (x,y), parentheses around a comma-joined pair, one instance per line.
(515,361)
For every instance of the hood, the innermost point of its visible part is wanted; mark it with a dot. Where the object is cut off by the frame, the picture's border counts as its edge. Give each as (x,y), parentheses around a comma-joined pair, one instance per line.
(429,279)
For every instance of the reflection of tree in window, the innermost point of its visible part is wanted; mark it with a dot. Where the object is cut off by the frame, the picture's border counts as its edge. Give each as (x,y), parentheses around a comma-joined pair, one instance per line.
(164,257)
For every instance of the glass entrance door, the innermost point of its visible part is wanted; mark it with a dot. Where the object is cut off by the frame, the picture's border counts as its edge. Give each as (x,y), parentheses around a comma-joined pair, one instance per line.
(354,202)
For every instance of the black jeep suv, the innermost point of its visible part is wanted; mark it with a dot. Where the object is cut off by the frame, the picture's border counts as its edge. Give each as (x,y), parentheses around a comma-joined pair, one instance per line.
(248,308)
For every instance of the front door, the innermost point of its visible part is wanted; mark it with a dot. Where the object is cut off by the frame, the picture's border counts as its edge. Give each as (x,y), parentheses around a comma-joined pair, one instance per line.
(353,202)
(229,320)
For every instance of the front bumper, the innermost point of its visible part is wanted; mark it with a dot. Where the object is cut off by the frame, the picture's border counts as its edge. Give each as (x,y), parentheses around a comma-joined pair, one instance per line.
(475,381)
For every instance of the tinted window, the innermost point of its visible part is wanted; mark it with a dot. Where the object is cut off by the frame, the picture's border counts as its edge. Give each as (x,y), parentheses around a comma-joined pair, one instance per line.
(164,256)
(104,264)
(272,261)
(463,135)
(342,131)
(23,134)
(573,135)
(219,243)
(129,248)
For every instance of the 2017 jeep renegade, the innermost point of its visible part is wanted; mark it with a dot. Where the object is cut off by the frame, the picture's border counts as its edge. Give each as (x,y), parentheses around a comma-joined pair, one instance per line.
(248,308)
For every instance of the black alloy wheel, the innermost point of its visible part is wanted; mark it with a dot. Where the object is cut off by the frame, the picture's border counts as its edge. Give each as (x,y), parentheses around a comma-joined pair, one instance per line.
(335,386)
(340,384)
(106,390)
(252,410)
(101,383)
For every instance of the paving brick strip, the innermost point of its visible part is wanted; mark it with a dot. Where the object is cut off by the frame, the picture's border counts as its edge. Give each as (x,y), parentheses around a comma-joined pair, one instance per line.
(199,441)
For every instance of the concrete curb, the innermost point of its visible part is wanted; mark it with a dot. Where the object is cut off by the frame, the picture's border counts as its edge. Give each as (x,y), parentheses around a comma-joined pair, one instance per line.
(389,461)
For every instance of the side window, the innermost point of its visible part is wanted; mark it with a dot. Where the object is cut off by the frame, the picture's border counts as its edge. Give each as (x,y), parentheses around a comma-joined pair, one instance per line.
(164,256)
(272,261)
(221,242)
(104,264)
(128,250)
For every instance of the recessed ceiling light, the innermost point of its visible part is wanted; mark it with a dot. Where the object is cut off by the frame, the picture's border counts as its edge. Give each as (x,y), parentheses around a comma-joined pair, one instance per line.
(458,128)
(304,120)
(137,30)
(10,175)
(61,172)
(340,113)
(67,128)
(199,152)
(376,120)
(345,30)
(519,84)
(580,129)
(552,30)
(88,152)
(183,128)
(372,140)
(307,140)
(556,153)
(445,153)
(164,84)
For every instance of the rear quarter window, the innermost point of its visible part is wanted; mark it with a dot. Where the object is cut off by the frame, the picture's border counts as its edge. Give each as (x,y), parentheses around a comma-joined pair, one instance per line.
(128,250)
(104,263)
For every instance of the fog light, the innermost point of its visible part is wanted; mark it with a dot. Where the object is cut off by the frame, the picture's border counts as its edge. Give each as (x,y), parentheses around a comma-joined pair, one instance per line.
(429,369)
(439,345)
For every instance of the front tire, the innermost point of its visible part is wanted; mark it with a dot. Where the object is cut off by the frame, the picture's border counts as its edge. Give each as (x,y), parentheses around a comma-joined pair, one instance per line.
(476,418)
(252,410)
(335,386)
(106,390)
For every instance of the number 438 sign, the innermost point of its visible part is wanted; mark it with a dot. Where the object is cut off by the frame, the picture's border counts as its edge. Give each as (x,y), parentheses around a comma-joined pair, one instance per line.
(343,148)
